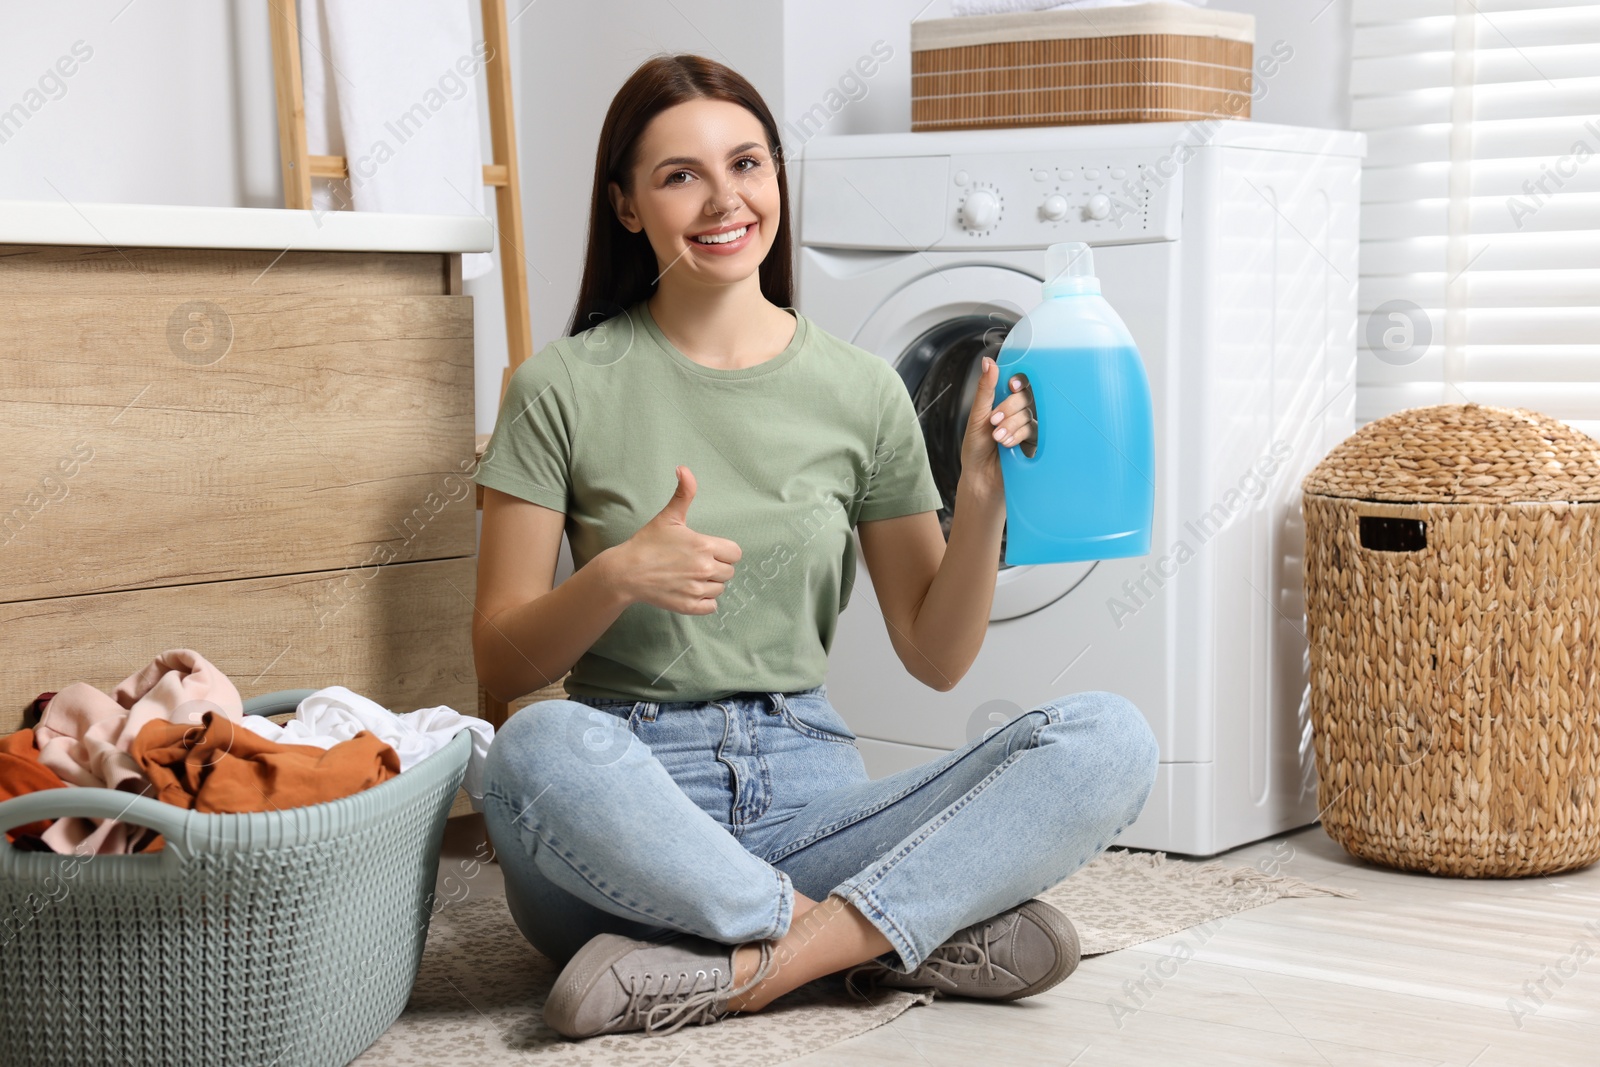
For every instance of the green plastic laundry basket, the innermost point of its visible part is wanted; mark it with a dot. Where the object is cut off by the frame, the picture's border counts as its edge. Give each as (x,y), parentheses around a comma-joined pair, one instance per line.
(289,937)
(284,700)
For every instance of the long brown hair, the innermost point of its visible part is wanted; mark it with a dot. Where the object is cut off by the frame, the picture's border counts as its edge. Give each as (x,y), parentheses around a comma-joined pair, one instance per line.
(619,268)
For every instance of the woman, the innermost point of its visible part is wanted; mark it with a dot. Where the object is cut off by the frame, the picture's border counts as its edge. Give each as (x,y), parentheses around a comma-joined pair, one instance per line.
(693,832)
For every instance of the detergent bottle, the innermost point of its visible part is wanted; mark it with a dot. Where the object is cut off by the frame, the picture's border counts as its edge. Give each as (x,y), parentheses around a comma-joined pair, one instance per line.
(1087,490)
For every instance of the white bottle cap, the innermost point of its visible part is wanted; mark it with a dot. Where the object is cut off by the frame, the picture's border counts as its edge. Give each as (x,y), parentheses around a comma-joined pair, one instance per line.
(1069,268)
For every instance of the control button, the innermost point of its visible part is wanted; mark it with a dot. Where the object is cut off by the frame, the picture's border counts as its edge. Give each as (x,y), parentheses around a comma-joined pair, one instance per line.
(1067,175)
(1091,174)
(1099,206)
(1118,173)
(1054,207)
(962,177)
(1041,175)
(981,210)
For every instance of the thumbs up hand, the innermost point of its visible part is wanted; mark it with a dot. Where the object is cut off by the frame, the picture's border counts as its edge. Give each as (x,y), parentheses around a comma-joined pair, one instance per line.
(669,565)
(676,513)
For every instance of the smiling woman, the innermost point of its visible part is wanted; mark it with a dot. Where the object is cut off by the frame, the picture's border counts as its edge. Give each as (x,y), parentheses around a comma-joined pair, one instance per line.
(641,155)
(693,831)
(705,191)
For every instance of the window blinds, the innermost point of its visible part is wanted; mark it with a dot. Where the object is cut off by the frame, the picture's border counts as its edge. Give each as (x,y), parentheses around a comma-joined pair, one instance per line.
(1480,228)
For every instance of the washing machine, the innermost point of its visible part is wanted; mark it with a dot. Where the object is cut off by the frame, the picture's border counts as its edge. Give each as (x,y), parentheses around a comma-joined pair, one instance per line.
(1229,248)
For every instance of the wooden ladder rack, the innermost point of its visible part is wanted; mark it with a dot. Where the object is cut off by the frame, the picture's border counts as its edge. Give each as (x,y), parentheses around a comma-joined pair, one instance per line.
(299,167)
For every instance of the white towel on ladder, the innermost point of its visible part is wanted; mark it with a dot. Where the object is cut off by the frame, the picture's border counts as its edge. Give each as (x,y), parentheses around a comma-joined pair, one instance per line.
(393,88)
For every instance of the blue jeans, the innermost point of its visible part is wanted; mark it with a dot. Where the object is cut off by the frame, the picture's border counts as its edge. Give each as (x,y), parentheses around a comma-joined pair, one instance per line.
(639,818)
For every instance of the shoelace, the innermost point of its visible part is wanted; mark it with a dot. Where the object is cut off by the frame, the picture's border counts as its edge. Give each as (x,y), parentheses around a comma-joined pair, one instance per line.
(946,957)
(942,960)
(678,1006)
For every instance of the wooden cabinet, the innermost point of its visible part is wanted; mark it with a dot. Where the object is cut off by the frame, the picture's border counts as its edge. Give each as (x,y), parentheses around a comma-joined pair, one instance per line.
(265,456)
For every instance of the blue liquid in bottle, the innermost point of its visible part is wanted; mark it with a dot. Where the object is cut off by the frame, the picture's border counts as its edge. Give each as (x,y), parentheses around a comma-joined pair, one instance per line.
(1088,490)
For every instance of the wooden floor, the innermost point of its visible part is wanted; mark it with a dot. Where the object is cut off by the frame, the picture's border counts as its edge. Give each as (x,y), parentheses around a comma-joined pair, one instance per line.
(1419,970)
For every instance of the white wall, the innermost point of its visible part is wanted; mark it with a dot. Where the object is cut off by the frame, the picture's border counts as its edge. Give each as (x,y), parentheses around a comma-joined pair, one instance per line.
(1313,87)
(824,39)
(173,106)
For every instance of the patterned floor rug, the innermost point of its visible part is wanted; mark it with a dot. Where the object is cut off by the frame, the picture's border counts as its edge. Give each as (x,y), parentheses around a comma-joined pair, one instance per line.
(480,994)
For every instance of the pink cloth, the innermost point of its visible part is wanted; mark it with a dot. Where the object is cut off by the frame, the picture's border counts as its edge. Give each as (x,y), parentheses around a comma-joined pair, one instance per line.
(85,737)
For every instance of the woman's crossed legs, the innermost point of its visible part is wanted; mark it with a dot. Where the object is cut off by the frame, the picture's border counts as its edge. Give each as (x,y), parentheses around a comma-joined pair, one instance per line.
(594,836)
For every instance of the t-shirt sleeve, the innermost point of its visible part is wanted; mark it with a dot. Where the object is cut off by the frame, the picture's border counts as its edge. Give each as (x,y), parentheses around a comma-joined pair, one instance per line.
(899,480)
(530,453)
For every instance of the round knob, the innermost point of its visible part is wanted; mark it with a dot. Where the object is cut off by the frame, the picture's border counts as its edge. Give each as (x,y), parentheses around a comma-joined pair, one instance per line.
(1099,206)
(1054,207)
(981,210)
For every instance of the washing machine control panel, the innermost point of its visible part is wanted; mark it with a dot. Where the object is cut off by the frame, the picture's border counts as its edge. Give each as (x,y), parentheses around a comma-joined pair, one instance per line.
(1028,200)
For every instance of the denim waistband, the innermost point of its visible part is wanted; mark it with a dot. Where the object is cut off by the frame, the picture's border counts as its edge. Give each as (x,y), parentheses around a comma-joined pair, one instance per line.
(618,703)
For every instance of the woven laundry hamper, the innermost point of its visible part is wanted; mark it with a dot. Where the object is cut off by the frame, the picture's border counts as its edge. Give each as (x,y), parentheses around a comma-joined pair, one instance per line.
(1452,574)
(286,937)
(1141,63)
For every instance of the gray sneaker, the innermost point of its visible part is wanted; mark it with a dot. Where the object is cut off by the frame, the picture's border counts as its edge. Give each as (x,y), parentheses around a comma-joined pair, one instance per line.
(1015,954)
(616,983)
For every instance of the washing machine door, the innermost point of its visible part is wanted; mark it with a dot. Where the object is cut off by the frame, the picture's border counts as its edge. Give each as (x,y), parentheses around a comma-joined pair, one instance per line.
(935,331)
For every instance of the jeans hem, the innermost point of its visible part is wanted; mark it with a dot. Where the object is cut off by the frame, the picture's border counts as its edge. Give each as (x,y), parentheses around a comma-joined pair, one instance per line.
(869,907)
(785,914)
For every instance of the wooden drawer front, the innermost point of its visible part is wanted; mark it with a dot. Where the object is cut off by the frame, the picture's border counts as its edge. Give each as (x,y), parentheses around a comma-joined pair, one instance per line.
(181,273)
(401,635)
(143,448)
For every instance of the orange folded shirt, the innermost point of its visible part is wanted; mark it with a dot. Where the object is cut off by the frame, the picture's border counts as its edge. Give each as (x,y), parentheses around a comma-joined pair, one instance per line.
(22,773)
(222,768)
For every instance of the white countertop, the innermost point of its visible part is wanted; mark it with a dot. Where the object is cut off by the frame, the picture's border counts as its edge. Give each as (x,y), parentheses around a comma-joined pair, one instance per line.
(43,222)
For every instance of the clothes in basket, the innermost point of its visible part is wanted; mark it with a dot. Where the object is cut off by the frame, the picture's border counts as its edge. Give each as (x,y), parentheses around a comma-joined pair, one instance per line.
(170,731)
(335,714)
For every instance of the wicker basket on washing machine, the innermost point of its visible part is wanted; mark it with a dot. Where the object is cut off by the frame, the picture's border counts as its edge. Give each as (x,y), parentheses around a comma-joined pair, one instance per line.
(1452,591)
(1156,62)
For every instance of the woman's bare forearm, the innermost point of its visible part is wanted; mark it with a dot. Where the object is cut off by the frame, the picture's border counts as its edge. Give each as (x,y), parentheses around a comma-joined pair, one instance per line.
(530,645)
(954,616)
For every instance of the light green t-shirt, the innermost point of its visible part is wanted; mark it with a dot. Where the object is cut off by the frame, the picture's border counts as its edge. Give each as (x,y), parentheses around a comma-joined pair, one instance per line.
(788,455)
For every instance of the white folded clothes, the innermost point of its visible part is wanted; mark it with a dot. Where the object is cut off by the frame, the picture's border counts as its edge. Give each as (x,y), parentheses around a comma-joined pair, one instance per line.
(336,714)
(963,8)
